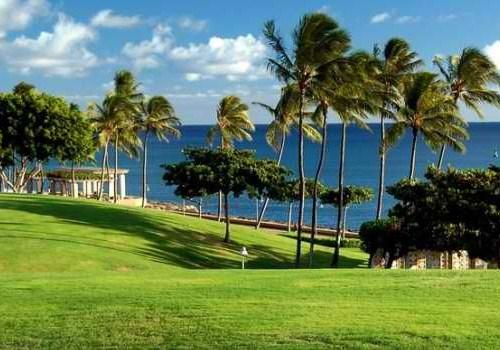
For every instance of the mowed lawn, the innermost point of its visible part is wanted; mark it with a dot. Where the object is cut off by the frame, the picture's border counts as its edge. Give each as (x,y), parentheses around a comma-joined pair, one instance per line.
(81,274)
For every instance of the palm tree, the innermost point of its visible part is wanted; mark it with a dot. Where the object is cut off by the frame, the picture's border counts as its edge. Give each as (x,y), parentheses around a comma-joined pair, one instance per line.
(103,118)
(285,115)
(233,124)
(316,40)
(427,110)
(127,121)
(395,62)
(159,119)
(468,77)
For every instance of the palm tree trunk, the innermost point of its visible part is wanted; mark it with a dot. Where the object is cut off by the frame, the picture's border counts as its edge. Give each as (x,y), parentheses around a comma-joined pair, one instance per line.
(266,200)
(441,157)
(340,207)
(115,176)
(344,220)
(290,207)
(381,175)
(413,155)
(314,224)
(104,157)
(200,213)
(108,175)
(226,213)
(219,209)
(144,168)
(300,219)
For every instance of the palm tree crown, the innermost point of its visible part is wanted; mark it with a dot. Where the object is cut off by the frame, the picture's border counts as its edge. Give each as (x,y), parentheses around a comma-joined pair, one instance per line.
(426,109)
(233,122)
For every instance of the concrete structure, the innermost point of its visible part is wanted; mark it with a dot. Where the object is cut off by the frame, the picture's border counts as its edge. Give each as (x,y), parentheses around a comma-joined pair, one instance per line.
(87,182)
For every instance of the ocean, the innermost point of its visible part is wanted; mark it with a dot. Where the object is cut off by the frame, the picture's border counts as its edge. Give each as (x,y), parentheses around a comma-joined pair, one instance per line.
(361,167)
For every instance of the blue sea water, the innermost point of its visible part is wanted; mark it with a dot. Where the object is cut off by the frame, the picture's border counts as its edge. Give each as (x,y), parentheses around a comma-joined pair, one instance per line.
(361,166)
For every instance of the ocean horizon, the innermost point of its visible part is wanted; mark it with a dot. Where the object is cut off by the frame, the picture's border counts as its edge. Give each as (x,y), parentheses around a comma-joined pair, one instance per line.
(361,166)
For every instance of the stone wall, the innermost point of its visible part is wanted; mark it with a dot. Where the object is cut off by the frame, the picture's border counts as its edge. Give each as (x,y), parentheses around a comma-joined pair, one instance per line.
(428,259)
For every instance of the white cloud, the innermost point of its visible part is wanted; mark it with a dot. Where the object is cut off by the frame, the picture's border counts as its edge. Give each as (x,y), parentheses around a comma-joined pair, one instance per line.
(62,52)
(240,58)
(195,25)
(446,18)
(380,17)
(106,18)
(18,14)
(323,9)
(408,19)
(493,52)
(147,53)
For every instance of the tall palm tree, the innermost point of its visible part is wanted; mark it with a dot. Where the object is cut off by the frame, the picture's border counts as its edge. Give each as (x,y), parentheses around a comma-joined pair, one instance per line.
(395,62)
(103,118)
(233,124)
(429,111)
(316,40)
(346,90)
(285,115)
(158,118)
(127,121)
(468,77)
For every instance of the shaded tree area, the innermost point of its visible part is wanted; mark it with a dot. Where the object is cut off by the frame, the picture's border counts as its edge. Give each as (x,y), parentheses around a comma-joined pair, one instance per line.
(36,127)
(228,171)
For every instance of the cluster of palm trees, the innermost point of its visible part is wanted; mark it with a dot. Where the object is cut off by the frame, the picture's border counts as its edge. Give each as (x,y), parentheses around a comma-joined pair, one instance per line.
(126,119)
(320,73)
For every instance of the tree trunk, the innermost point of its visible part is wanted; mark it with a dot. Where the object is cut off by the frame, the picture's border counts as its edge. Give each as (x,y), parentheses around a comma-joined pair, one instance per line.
(413,155)
(104,157)
(344,220)
(314,224)
(441,157)
(226,213)
(300,219)
(41,178)
(144,169)
(115,176)
(219,209)
(108,175)
(200,213)
(289,226)
(340,207)
(266,200)
(381,175)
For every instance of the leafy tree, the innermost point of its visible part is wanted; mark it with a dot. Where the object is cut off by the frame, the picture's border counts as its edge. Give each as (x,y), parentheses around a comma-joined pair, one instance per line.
(383,237)
(79,147)
(394,63)
(427,110)
(157,118)
(351,195)
(317,39)
(35,127)
(228,171)
(468,78)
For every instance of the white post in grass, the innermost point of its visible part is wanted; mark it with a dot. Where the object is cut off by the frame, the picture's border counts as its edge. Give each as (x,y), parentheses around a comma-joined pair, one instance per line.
(244,254)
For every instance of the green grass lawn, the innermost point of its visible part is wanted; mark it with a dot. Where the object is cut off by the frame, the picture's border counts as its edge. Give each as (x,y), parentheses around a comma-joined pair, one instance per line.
(81,274)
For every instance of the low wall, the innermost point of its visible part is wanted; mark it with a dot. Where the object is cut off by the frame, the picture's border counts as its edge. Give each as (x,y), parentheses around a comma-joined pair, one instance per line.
(429,259)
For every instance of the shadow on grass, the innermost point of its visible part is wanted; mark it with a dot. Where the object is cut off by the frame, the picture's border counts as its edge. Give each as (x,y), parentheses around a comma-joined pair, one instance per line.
(167,241)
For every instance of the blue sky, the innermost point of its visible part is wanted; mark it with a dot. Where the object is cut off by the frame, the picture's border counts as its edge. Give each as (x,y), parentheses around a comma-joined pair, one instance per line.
(195,52)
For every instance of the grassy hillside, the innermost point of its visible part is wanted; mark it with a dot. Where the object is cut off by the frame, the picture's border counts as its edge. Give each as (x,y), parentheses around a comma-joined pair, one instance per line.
(77,274)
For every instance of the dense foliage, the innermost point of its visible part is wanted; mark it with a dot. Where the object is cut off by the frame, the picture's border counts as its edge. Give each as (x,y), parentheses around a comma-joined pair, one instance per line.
(452,210)
(36,127)
(229,171)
